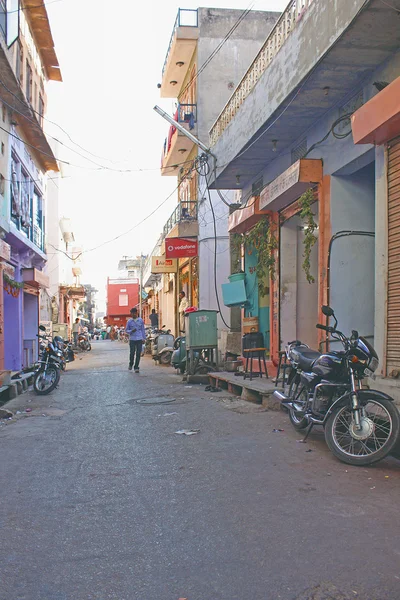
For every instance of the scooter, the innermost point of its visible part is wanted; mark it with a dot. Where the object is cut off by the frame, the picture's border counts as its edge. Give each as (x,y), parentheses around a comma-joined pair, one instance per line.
(178,359)
(83,342)
(162,347)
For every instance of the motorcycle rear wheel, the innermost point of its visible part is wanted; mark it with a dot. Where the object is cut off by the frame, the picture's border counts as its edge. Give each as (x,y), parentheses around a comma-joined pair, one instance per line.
(381,418)
(45,382)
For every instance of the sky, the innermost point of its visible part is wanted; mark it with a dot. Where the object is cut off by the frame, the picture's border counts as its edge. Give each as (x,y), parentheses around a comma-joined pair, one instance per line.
(111,56)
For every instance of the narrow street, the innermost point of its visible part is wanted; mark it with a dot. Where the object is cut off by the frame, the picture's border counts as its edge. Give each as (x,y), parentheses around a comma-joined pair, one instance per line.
(101,499)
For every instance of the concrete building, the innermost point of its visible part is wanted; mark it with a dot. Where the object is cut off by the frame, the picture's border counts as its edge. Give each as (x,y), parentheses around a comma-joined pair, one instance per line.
(27,61)
(122,295)
(230,38)
(287,129)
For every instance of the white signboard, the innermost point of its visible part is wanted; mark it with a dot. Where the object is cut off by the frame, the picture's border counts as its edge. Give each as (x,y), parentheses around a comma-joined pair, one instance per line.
(160,264)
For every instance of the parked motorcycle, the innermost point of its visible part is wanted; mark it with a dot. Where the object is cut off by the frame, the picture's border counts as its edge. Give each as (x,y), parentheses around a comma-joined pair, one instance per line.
(47,375)
(83,342)
(162,346)
(361,425)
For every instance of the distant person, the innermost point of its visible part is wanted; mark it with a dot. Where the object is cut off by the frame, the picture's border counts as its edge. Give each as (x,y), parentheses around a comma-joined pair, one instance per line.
(137,337)
(183,305)
(154,319)
(108,331)
(76,329)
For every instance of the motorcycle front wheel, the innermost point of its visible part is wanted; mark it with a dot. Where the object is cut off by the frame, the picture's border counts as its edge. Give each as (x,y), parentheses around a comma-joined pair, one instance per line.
(380,426)
(165,358)
(44,382)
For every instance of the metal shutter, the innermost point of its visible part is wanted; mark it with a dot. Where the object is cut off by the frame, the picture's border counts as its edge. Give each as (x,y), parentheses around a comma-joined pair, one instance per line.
(393,305)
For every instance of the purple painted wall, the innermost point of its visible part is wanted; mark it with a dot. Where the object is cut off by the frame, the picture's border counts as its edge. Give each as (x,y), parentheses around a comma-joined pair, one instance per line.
(13,331)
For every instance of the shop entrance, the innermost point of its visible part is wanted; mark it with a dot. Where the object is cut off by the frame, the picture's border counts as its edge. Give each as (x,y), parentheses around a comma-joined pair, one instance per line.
(298,297)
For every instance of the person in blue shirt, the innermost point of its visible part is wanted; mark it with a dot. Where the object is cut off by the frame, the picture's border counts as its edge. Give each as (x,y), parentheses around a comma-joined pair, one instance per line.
(137,337)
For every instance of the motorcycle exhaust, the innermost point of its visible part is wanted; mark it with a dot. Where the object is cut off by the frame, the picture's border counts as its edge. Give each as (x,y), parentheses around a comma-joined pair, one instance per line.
(284,400)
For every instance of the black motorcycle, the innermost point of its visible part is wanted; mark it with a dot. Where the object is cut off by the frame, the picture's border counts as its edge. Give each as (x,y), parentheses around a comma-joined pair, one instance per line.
(47,374)
(361,425)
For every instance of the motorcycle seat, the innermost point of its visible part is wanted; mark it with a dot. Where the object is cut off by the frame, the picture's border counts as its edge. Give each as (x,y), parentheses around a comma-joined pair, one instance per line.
(305,357)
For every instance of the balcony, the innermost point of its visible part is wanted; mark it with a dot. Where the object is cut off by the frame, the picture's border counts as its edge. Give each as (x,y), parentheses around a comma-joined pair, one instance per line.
(312,62)
(183,221)
(177,146)
(180,51)
(279,34)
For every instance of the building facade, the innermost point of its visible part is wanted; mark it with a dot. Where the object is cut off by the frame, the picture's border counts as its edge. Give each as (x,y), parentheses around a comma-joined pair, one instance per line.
(231,38)
(122,295)
(27,62)
(286,135)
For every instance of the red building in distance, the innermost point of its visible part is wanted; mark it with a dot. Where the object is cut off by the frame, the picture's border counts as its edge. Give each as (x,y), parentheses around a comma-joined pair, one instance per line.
(122,295)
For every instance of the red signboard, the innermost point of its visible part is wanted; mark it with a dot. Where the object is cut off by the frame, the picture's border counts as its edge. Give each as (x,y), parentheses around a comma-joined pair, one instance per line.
(180,247)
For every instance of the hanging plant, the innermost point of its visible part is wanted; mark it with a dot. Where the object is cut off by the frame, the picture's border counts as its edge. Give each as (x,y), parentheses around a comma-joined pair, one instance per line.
(261,239)
(11,286)
(310,226)
(236,243)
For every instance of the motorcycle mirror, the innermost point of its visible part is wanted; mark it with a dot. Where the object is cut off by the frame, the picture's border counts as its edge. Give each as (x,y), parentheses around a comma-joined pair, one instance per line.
(327,311)
(42,328)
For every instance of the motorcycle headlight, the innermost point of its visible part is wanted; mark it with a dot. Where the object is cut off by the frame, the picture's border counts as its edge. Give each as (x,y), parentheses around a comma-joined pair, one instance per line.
(373,364)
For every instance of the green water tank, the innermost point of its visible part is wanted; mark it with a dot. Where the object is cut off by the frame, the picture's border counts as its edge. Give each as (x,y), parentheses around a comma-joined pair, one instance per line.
(201,329)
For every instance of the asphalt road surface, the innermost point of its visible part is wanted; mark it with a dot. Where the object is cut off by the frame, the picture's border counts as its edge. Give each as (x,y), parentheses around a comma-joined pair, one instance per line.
(101,499)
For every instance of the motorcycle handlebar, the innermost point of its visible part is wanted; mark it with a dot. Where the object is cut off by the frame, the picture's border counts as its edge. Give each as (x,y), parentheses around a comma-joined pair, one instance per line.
(325,328)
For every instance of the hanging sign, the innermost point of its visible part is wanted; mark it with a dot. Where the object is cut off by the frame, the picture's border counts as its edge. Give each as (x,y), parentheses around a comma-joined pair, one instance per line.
(163,265)
(181,247)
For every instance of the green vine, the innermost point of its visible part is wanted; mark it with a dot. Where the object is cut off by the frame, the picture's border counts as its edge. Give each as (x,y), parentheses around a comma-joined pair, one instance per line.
(310,239)
(11,282)
(261,238)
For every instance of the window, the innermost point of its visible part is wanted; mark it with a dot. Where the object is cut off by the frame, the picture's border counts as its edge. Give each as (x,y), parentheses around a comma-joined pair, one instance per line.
(9,20)
(41,109)
(28,83)
(35,95)
(4,112)
(19,61)
(2,148)
(123,300)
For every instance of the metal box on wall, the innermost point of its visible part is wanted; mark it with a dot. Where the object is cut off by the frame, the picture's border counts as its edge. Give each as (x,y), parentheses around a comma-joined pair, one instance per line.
(201,329)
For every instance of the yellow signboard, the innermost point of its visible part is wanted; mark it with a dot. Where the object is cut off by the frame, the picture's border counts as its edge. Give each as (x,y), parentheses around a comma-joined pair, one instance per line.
(160,264)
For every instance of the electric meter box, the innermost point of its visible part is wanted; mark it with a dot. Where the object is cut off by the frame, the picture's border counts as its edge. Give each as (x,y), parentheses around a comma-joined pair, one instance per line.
(201,329)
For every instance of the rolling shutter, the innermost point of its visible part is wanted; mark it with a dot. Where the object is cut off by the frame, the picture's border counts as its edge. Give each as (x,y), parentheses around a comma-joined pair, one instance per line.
(393,305)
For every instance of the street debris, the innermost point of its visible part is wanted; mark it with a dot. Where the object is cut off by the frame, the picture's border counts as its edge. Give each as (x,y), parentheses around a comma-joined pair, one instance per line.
(168,414)
(301,441)
(187,431)
(309,450)
(277,430)
(28,410)
(212,388)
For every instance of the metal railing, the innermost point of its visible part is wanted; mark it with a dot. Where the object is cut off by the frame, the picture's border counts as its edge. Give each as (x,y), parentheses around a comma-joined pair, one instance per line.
(277,37)
(186,17)
(184,212)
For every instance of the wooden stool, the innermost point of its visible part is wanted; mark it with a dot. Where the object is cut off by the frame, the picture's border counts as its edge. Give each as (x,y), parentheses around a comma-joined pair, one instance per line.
(257,353)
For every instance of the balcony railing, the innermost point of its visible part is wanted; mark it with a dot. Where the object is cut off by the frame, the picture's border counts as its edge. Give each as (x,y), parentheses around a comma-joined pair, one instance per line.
(183,213)
(279,34)
(186,114)
(186,18)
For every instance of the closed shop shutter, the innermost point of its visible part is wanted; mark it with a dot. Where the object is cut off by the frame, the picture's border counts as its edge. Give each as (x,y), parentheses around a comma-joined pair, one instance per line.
(393,307)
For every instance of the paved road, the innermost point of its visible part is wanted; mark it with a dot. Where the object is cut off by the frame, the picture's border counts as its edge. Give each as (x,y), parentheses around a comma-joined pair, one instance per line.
(100,499)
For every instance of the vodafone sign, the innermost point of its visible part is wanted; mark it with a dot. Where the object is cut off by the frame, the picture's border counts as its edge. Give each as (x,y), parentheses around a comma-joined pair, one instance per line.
(180,247)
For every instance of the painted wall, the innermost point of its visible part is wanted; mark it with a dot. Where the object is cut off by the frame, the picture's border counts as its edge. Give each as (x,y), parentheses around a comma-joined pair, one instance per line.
(30,329)
(352,284)
(113,293)
(13,332)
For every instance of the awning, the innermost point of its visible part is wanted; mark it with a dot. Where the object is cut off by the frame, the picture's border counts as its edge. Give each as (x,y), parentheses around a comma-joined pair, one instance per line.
(291,184)
(35,278)
(244,219)
(378,120)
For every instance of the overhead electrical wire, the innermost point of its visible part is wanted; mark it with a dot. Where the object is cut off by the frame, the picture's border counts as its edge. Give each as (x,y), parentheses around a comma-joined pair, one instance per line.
(125,232)
(28,8)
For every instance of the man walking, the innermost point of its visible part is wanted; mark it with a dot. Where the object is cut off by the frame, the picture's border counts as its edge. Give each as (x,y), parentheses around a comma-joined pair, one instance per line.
(183,305)
(137,337)
(154,319)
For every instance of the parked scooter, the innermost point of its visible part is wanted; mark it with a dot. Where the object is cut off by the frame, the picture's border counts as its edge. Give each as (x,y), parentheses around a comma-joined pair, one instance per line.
(361,426)
(178,359)
(83,342)
(162,346)
(47,375)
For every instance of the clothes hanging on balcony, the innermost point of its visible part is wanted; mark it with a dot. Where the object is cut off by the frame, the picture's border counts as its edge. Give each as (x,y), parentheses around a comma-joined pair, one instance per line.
(25,206)
(172,130)
(191,121)
(15,196)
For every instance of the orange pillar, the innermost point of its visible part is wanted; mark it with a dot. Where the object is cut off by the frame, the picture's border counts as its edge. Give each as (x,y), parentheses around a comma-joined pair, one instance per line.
(325,234)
